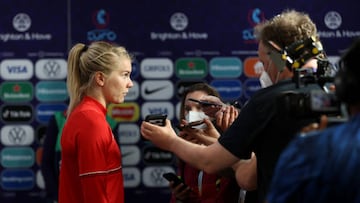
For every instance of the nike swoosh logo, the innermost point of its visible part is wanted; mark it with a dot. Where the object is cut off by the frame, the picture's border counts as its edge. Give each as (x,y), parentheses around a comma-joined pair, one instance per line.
(126,154)
(151,91)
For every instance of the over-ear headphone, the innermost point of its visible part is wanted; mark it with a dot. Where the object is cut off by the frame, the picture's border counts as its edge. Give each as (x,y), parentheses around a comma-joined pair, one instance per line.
(347,79)
(276,58)
(296,54)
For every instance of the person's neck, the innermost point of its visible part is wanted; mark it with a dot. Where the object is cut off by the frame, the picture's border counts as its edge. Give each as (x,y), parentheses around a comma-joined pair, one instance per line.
(285,74)
(288,74)
(97,96)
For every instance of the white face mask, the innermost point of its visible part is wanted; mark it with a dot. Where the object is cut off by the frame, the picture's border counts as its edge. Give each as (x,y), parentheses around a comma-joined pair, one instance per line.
(196,116)
(265,80)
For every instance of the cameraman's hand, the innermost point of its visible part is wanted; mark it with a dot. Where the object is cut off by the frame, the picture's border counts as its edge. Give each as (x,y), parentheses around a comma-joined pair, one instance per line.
(226,116)
(316,126)
(211,110)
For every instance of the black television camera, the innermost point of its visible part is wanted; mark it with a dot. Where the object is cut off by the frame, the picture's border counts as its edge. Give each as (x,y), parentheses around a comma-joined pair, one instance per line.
(319,101)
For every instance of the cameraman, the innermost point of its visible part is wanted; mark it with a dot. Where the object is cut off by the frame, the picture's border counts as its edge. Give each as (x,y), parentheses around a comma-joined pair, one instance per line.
(323,166)
(260,127)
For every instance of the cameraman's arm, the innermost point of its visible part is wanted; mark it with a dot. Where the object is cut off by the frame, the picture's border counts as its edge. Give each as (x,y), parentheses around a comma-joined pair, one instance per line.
(246,173)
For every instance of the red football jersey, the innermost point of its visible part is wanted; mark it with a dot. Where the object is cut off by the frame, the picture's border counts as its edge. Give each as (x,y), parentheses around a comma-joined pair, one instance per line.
(90,170)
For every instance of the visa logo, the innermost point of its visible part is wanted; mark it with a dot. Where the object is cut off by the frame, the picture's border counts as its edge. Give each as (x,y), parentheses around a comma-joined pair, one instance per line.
(158,111)
(158,108)
(128,177)
(17,69)
(132,177)
(129,133)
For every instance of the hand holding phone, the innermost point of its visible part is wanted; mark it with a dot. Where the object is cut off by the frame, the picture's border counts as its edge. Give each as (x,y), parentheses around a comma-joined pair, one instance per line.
(190,125)
(157,119)
(205,103)
(175,179)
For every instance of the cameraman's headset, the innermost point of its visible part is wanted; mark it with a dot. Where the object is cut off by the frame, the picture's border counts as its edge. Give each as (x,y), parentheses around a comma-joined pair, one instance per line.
(297,54)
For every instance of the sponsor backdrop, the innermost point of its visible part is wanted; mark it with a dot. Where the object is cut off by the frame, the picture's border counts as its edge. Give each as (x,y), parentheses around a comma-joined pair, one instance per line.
(175,43)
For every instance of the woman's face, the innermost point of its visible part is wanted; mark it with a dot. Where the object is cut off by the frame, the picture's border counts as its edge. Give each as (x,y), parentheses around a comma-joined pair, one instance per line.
(193,106)
(118,83)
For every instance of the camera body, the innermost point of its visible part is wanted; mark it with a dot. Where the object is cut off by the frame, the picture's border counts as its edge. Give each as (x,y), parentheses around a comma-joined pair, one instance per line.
(309,105)
(312,104)
(320,100)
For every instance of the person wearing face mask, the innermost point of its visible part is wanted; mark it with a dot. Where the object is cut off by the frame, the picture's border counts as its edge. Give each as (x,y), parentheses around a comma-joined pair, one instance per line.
(261,126)
(201,186)
(327,157)
(265,80)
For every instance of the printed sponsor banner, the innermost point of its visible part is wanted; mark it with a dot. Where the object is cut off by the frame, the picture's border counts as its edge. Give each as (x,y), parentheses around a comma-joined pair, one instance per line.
(253,67)
(128,111)
(166,108)
(155,156)
(225,67)
(17,179)
(17,113)
(251,85)
(157,89)
(51,69)
(17,157)
(128,133)
(187,68)
(17,135)
(132,177)
(34,43)
(130,155)
(229,90)
(152,176)
(157,68)
(51,91)
(16,91)
(45,110)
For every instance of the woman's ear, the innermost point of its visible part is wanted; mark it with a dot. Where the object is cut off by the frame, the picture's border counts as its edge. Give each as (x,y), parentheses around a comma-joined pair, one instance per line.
(100,79)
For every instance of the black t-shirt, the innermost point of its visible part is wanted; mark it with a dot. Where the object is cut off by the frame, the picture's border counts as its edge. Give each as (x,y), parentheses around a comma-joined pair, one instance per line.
(264,128)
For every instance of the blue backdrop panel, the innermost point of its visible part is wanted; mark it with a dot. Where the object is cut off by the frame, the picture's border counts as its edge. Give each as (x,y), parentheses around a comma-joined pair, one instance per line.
(30,32)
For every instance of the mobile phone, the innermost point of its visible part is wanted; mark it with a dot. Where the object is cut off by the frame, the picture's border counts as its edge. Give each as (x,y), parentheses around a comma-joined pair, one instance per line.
(174,178)
(190,125)
(157,119)
(204,103)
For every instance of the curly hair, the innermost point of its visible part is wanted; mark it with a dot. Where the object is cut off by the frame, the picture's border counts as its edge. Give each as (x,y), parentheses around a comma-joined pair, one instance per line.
(286,28)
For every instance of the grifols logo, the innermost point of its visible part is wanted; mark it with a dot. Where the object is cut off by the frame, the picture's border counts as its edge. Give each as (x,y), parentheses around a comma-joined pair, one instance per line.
(128,111)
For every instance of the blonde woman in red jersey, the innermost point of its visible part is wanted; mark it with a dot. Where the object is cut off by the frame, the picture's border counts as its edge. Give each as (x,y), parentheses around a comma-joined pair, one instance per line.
(91,170)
